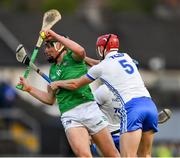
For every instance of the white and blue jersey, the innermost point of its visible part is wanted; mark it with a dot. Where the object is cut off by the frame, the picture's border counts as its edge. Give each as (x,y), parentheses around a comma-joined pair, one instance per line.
(109,106)
(121,76)
(111,109)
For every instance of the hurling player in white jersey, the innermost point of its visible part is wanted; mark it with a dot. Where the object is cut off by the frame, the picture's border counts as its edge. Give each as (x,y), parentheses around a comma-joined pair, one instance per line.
(111,108)
(139,115)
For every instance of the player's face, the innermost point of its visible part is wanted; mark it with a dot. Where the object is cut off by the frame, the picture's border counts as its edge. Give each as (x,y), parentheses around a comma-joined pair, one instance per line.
(50,52)
(53,50)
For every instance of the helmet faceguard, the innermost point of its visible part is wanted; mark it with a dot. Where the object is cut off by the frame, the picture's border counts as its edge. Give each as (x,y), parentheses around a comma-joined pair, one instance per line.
(54,43)
(106,43)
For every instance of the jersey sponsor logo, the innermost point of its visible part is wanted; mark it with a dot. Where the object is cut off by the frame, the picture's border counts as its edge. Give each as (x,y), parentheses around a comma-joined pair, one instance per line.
(116,100)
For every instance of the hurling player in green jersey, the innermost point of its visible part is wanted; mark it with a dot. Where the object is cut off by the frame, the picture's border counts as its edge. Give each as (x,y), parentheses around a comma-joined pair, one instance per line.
(80,115)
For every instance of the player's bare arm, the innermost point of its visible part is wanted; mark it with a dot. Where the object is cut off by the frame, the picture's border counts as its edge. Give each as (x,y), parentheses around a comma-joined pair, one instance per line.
(71,84)
(45,97)
(90,61)
(79,51)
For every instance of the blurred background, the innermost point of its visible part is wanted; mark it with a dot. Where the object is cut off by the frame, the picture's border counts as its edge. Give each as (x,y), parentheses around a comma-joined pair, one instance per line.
(149,31)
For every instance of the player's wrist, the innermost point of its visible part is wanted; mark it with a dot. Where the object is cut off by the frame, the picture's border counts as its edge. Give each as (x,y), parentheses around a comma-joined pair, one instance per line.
(28,89)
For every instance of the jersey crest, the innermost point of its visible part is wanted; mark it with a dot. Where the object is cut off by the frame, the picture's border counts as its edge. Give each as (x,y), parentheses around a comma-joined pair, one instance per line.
(58,72)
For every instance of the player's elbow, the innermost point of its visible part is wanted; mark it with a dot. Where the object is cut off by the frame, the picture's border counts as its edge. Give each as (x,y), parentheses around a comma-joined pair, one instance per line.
(50,102)
(82,52)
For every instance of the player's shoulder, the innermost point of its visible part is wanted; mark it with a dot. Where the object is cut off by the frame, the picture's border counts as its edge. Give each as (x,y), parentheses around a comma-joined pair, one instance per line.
(99,65)
(125,54)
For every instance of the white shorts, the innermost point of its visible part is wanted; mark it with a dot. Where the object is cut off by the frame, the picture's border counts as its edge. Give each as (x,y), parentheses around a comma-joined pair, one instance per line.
(85,115)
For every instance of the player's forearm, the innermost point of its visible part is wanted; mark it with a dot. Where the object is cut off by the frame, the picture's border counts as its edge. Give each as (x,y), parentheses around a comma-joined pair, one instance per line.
(75,47)
(42,96)
(68,84)
(91,61)
(73,83)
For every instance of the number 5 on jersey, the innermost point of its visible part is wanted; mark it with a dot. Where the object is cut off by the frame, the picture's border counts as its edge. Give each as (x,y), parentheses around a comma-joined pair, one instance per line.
(127,67)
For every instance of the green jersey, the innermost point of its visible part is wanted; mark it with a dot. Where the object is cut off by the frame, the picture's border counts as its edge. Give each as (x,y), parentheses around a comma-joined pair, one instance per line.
(70,69)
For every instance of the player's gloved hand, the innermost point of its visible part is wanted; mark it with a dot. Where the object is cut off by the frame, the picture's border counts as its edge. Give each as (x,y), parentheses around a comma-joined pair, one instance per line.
(23,82)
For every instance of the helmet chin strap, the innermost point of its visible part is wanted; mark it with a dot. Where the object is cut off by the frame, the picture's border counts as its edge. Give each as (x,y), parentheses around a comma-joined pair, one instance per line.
(59,52)
(52,59)
(55,59)
(103,56)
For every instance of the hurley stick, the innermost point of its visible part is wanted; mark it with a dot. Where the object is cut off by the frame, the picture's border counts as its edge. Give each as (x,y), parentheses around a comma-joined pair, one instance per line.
(50,18)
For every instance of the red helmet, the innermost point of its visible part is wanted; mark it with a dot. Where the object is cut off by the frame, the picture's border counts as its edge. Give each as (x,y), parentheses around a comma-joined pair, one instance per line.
(108,41)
